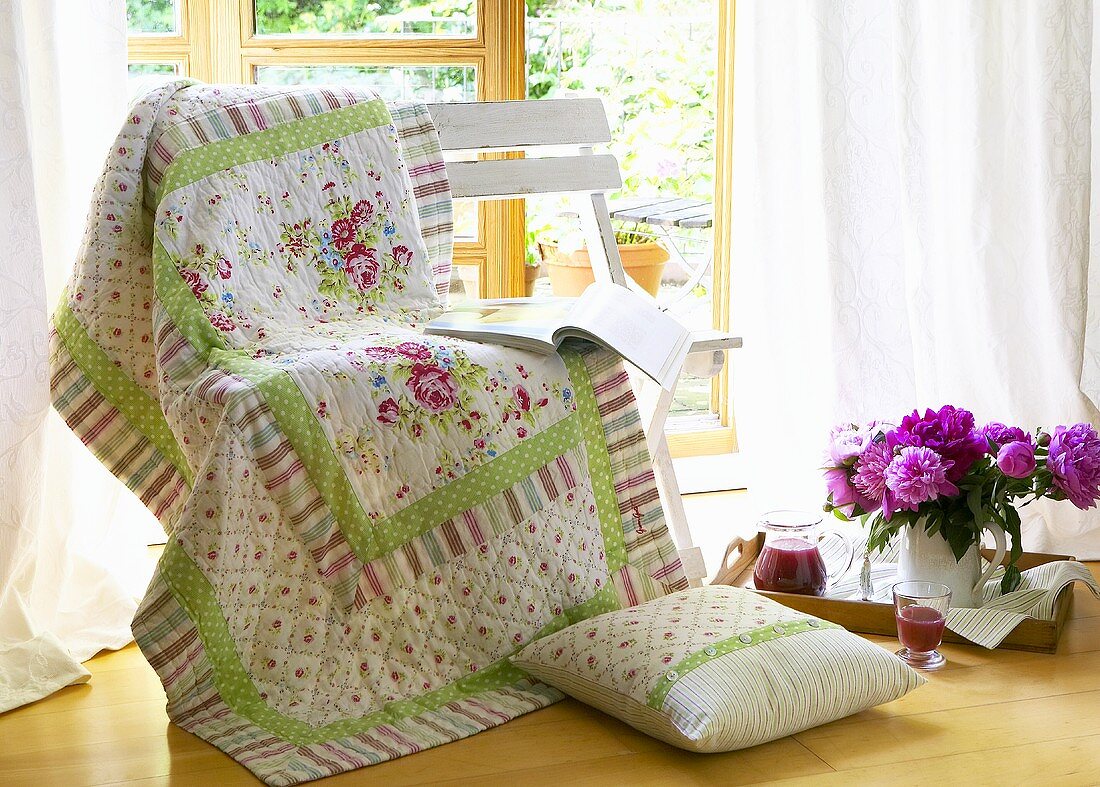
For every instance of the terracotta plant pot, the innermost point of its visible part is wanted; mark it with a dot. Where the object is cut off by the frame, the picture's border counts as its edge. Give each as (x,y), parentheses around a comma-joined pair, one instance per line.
(571,273)
(530,276)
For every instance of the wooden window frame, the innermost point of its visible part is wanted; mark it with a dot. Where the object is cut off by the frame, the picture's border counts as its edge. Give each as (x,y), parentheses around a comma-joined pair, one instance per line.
(217,42)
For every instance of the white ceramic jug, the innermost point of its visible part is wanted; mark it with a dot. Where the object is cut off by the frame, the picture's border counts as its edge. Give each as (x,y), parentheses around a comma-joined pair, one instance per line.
(930,558)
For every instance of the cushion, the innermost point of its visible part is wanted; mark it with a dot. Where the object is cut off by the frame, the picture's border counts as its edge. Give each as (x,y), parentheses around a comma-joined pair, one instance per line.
(717,668)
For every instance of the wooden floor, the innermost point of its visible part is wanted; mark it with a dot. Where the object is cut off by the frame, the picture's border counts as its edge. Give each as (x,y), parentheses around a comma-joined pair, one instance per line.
(990,717)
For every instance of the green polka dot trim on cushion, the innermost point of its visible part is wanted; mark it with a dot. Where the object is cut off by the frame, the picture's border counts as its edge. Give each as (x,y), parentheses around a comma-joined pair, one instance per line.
(194,593)
(118,389)
(599,461)
(717,650)
(197,163)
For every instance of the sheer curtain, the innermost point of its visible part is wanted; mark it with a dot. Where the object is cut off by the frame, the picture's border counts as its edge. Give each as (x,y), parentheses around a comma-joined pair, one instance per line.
(72,541)
(913,226)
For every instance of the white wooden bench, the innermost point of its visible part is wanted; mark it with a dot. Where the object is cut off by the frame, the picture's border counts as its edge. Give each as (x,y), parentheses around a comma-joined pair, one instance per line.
(578,124)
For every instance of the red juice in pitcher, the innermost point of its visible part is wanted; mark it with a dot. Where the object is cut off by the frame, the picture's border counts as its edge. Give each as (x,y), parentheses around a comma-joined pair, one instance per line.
(790,565)
(920,628)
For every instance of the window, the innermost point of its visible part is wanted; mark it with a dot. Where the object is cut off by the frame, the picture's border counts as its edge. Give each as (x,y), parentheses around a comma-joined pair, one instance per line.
(465,50)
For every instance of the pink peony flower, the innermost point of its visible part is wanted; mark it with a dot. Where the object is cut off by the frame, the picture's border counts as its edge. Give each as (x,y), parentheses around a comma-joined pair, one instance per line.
(343,233)
(194,281)
(1074,461)
(1017,459)
(225,268)
(1001,435)
(916,475)
(222,322)
(846,442)
(380,353)
(870,476)
(361,265)
(842,495)
(417,352)
(523,399)
(948,431)
(402,255)
(362,212)
(433,388)
(388,412)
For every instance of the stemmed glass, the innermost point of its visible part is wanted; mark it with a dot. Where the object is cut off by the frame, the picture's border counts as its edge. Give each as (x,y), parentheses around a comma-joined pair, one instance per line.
(920,609)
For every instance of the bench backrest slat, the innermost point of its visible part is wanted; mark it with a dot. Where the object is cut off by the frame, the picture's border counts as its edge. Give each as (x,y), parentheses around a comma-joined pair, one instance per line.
(517,125)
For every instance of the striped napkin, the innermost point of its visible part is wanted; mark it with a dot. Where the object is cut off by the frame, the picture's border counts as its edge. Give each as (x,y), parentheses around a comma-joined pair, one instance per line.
(999,615)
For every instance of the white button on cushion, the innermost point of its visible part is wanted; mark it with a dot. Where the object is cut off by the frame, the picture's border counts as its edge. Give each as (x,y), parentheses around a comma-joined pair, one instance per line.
(672,674)
(745,638)
(711,651)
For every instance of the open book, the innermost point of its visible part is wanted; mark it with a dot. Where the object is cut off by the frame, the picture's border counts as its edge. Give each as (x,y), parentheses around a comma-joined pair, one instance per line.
(606,314)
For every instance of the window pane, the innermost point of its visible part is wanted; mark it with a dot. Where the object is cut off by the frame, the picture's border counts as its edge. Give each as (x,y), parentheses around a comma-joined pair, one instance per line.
(145,69)
(392,83)
(439,18)
(465,219)
(152,16)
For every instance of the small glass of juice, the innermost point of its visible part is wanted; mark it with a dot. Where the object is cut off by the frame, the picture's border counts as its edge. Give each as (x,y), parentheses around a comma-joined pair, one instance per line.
(920,609)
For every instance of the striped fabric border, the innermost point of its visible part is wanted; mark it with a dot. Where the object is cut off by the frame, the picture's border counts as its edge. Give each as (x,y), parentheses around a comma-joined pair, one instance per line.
(116,442)
(424,158)
(648,542)
(224,121)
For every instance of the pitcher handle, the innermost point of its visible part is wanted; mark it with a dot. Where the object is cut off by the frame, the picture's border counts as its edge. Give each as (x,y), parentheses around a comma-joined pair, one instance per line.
(1002,547)
(832,578)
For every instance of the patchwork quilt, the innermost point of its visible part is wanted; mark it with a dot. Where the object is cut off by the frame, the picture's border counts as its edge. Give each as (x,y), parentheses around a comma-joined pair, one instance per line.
(363,522)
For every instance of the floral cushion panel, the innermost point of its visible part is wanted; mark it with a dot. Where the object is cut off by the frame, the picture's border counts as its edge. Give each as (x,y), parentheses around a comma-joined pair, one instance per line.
(717,668)
(364,522)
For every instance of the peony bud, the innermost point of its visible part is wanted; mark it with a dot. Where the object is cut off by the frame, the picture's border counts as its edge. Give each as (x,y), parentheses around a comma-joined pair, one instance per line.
(1017,459)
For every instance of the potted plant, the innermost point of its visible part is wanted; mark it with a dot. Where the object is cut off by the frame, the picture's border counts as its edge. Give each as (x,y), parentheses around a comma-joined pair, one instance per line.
(939,482)
(570,266)
(532,269)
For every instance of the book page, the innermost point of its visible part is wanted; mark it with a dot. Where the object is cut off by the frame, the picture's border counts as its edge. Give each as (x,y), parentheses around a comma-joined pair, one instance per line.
(529,323)
(634,327)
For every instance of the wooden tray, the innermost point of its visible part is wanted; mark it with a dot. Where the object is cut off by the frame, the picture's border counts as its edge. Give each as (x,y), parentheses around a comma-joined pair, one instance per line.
(869,617)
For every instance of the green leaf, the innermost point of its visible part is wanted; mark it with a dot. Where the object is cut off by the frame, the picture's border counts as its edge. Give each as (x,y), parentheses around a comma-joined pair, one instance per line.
(960,540)
(974,503)
(1011,580)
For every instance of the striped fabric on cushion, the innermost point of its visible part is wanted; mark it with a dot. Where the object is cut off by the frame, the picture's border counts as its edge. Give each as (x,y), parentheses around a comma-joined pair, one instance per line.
(717,669)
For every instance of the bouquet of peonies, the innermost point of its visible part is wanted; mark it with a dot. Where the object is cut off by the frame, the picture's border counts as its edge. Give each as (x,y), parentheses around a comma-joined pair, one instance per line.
(941,469)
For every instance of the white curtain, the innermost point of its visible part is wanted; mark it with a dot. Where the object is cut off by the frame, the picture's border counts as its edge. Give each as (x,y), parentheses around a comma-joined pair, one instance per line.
(912,208)
(73,554)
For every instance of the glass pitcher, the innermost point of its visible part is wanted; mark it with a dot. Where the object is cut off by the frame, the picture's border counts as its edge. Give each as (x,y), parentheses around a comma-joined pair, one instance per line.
(791,560)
